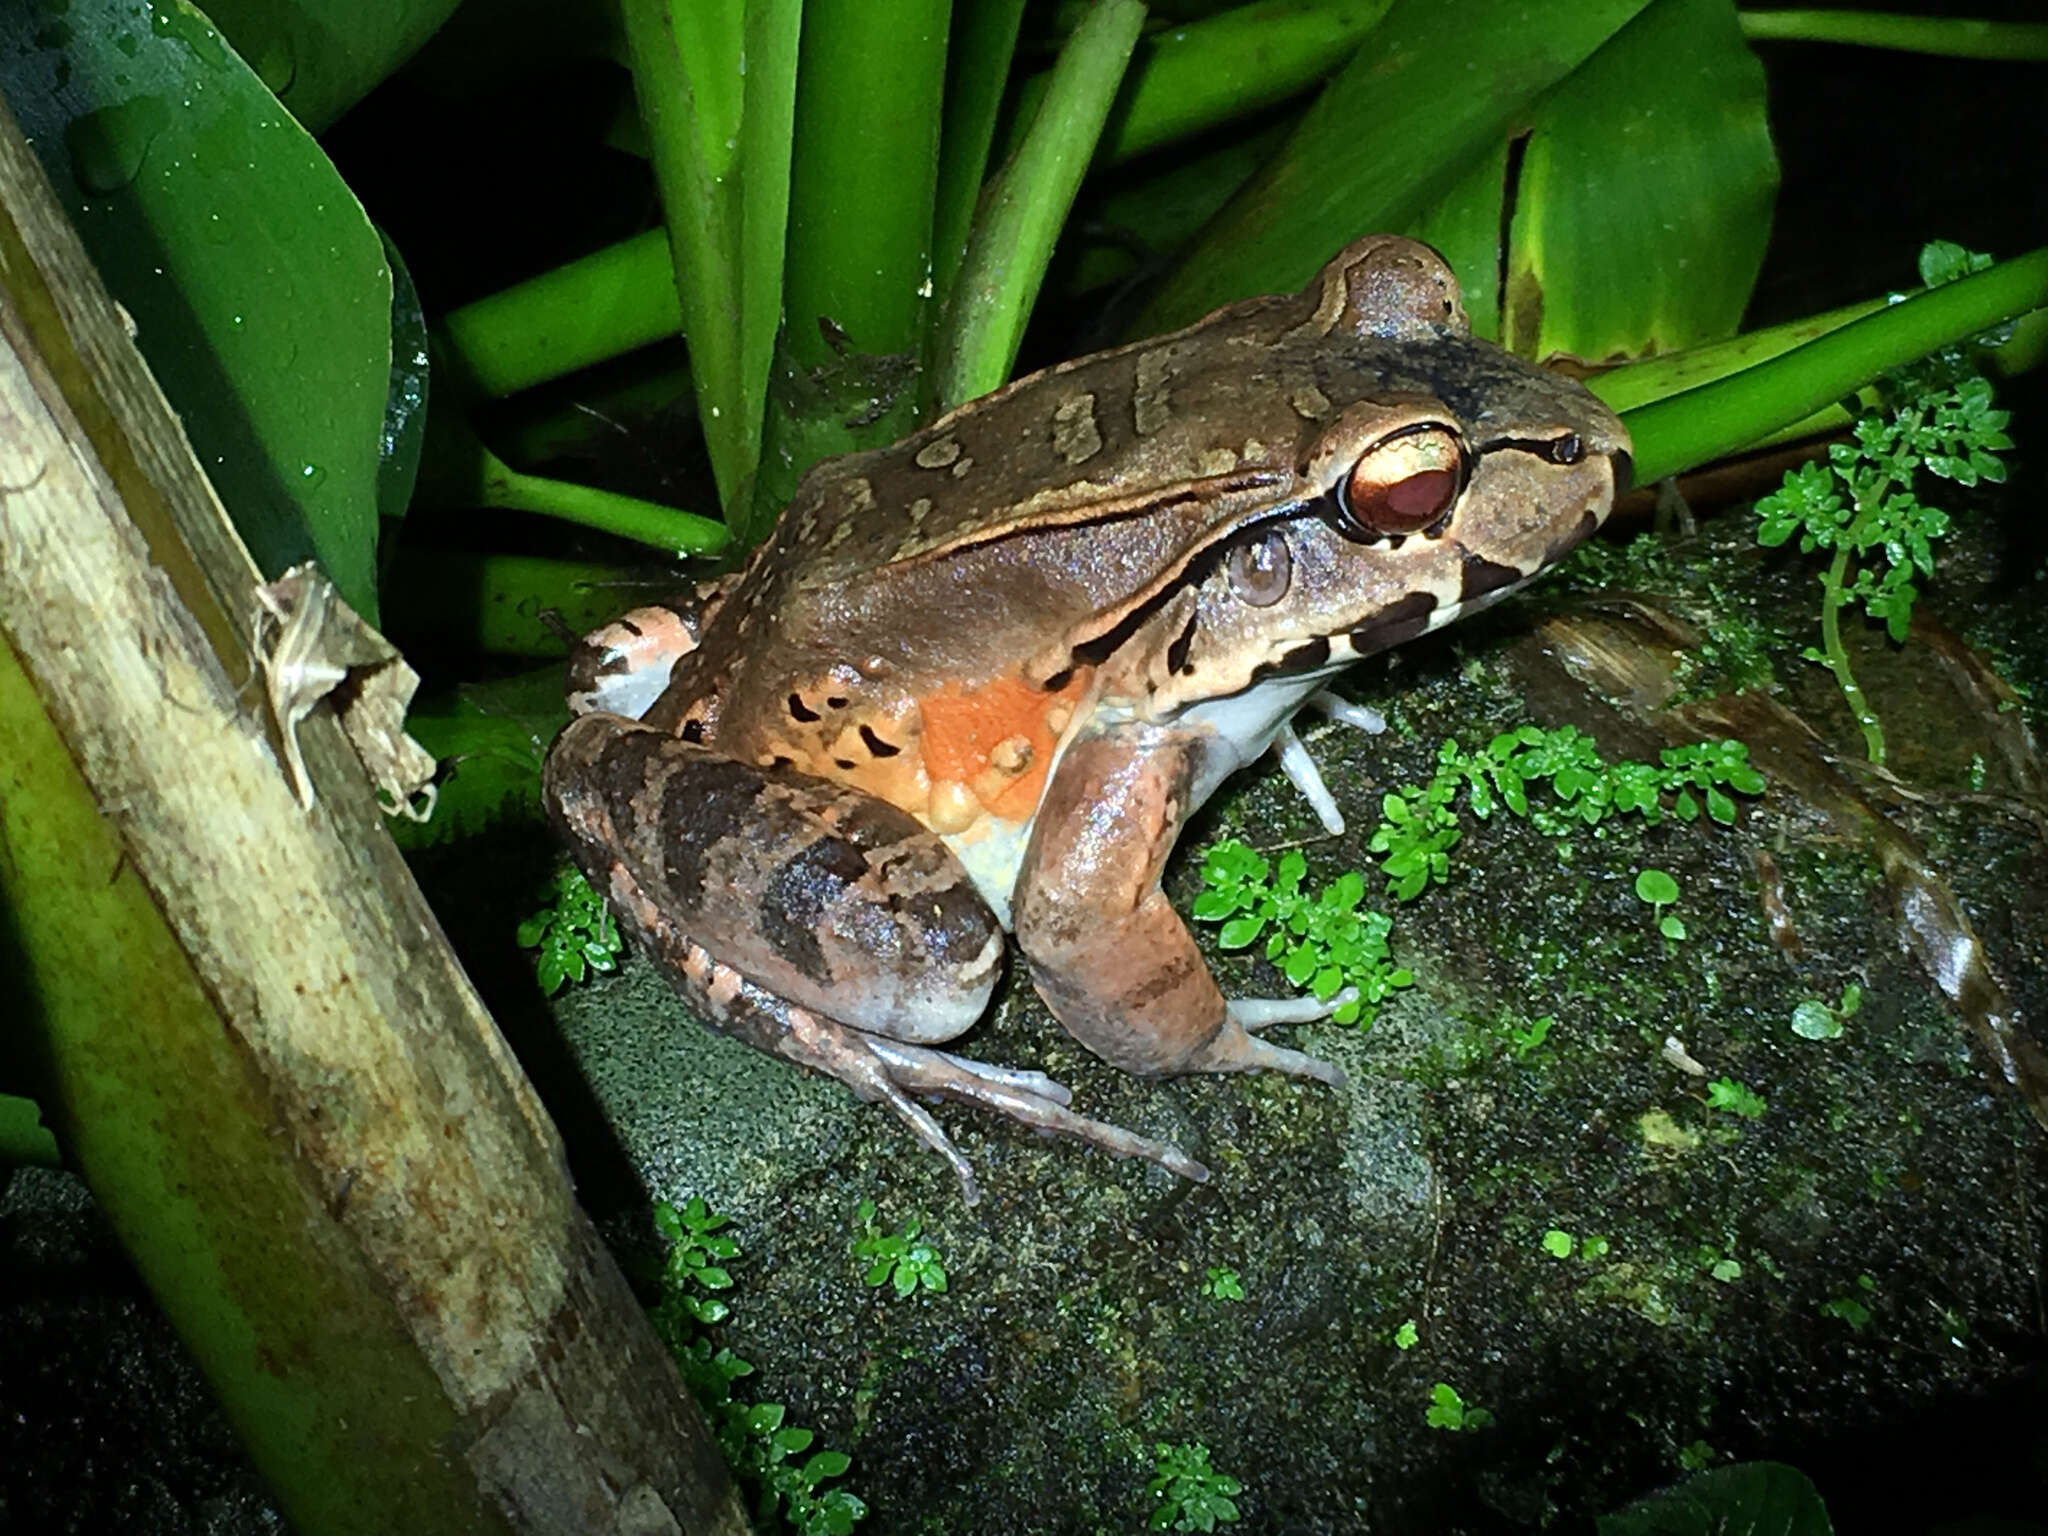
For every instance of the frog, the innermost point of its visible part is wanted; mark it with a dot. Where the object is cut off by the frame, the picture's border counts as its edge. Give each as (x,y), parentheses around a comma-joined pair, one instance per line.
(972,686)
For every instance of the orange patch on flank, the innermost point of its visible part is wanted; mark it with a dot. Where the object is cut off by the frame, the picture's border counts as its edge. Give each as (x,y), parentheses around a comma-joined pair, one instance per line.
(961,728)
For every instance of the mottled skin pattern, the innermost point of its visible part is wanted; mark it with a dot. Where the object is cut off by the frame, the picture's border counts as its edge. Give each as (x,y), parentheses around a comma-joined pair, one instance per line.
(985,675)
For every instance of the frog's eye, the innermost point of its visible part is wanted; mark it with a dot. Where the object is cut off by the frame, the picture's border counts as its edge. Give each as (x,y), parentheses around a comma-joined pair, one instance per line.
(1406,483)
(1260,572)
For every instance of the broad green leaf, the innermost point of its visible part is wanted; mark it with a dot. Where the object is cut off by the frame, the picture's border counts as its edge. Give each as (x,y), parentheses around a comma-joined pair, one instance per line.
(258,287)
(323,56)
(1758,1498)
(405,402)
(1644,202)
(1436,87)
(1464,225)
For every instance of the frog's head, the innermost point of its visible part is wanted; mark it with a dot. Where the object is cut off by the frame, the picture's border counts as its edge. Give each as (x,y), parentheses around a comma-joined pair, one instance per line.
(1432,475)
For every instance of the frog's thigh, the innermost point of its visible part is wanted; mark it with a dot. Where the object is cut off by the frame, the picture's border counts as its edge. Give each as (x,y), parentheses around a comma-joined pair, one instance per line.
(821,895)
(1110,956)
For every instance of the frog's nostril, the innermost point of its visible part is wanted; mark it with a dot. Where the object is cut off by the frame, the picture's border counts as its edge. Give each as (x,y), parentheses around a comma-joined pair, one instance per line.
(1624,471)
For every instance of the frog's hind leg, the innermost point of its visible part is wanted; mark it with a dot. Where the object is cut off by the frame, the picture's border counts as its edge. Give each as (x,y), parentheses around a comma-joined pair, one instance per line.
(813,921)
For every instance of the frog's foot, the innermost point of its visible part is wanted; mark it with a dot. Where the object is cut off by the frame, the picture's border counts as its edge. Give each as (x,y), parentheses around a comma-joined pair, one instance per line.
(1031,1098)
(885,1071)
(1237,1048)
(1340,709)
(1301,769)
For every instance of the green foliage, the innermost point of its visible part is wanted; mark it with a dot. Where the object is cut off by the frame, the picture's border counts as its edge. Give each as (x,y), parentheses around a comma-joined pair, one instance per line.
(1407,1335)
(1448,1410)
(760,1447)
(901,1258)
(1851,1308)
(1420,824)
(1222,1284)
(1861,505)
(1815,1020)
(1558,1243)
(1724,1093)
(1756,1498)
(1322,942)
(1659,890)
(1524,1041)
(1192,1495)
(574,934)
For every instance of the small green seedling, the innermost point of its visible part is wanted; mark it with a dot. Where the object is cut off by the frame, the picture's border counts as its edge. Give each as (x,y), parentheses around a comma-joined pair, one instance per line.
(1558,1244)
(1815,1020)
(1419,825)
(1407,1335)
(1222,1284)
(1523,1042)
(697,1256)
(1725,1094)
(1593,1248)
(1860,504)
(1321,942)
(1659,890)
(1447,1410)
(1850,1309)
(901,1258)
(1191,1494)
(1696,1457)
(760,1447)
(574,933)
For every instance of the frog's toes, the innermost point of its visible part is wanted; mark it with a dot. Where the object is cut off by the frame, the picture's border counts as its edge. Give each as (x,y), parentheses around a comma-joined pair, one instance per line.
(1302,772)
(940,1074)
(1259,1012)
(1361,716)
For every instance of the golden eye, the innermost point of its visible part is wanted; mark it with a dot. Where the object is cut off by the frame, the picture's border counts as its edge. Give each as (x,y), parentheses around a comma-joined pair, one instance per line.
(1405,484)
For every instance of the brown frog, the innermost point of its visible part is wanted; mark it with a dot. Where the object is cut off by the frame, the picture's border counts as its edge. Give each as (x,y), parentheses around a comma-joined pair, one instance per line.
(979,681)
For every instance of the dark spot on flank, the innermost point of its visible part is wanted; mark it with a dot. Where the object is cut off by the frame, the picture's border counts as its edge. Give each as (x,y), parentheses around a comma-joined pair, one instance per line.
(845,763)
(1397,622)
(782,761)
(793,902)
(1058,680)
(631,628)
(703,802)
(876,745)
(835,702)
(693,730)
(798,710)
(1480,576)
(1177,653)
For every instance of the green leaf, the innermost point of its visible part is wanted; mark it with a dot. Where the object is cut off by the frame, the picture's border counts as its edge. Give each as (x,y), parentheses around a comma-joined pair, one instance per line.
(1758,1498)
(1438,86)
(323,56)
(259,289)
(1815,1020)
(1605,258)
(1240,932)
(1656,887)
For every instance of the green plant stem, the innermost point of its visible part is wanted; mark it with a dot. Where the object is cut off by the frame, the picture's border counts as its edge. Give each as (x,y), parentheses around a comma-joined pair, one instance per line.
(1684,430)
(1955,38)
(1027,203)
(869,102)
(984,40)
(644,522)
(1834,595)
(598,307)
(1191,78)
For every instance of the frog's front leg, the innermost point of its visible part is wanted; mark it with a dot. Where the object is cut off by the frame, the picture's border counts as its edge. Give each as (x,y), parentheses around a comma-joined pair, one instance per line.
(1110,956)
(812,921)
